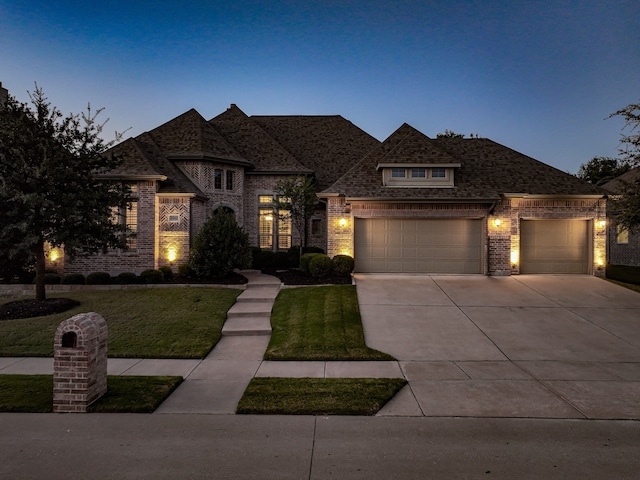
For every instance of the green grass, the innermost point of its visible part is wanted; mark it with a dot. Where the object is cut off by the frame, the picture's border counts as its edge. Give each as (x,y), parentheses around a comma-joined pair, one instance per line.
(319,323)
(143,323)
(34,393)
(318,396)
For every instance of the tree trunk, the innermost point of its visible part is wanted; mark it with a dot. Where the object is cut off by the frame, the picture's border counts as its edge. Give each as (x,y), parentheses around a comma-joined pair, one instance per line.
(40,267)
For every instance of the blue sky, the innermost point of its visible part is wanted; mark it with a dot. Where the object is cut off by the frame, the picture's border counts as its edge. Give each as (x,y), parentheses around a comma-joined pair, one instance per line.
(537,76)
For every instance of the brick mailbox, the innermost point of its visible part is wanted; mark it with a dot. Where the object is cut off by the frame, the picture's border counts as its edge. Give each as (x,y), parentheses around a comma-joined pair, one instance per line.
(80,362)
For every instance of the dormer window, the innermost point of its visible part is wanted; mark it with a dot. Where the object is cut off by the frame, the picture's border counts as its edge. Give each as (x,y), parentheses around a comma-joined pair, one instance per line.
(418,176)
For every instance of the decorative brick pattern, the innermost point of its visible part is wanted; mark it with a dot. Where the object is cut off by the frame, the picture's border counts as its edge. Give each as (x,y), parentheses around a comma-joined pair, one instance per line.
(80,362)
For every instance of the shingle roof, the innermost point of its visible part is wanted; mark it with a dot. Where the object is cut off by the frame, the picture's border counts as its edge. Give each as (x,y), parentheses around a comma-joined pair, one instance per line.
(617,185)
(488,170)
(254,144)
(325,144)
(190,136)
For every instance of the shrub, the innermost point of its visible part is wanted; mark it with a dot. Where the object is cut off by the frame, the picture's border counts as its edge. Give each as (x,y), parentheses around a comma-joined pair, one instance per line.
(184,270)
(166,272)
(342,264)
(281,260)
(320,265)
(52,279)
(305,260)
(98,278)
(262,259)
(126,278)
(73,279)
(312,250)
(220,246)
(151,276)
(624,273)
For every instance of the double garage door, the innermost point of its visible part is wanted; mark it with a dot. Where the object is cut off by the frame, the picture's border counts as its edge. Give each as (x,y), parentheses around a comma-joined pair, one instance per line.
(418,245)
(456,246)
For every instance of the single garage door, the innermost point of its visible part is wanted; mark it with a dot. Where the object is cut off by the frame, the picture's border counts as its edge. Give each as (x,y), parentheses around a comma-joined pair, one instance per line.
(554,246)
(418,245)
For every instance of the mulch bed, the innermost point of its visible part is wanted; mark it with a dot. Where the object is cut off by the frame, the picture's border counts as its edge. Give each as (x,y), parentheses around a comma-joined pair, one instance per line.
(35,308)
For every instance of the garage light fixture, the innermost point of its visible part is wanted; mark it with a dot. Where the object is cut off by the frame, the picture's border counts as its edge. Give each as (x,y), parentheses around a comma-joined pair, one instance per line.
(497,222)
(514,257)
(342,222)
(602,223)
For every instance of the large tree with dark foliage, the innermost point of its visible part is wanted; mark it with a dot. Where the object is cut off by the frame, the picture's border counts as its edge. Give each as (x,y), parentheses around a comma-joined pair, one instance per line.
(627,206)
(50,186)
(599,170)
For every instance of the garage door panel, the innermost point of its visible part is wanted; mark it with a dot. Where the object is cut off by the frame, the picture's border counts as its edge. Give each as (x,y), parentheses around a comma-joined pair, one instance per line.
(554,246)
(418,245)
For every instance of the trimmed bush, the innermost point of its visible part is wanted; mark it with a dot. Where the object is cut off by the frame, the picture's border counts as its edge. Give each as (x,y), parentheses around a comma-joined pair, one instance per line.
(624,273)
(98,278)
(166,272)
(305,260)
(320,265)
(263,258)
(126,278)
(151,276)
(220,246)
(52,279)
(342,264)
(185,270)
(281,260)
(73,279)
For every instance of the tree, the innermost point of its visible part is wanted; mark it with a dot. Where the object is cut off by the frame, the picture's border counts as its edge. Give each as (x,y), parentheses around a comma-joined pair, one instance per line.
(220,246)
(296,200)
(600,170)
(449,134)
(50,186)
(627,206)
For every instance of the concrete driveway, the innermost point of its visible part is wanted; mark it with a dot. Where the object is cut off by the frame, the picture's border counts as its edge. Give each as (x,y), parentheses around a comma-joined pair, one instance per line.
(542,346)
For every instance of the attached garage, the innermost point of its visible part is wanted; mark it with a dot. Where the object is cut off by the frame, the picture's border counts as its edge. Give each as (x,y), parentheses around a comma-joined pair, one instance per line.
(409,245)
(555,246)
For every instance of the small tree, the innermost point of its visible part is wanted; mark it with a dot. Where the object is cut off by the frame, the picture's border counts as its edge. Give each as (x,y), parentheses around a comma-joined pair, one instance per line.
(297,197)
(449,134)
(220,246)
(600,170)
(50,190)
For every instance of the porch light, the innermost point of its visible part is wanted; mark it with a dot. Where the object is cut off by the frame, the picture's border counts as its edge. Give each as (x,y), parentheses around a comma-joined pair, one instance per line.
(514,257)
(497,222)
(599,261)
(602,223)
(342,222)
(172,254)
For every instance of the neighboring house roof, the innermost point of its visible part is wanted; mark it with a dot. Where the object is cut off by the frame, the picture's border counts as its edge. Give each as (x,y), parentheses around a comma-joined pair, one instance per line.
(326,144)
(255,145)
(618,184)
(487,171)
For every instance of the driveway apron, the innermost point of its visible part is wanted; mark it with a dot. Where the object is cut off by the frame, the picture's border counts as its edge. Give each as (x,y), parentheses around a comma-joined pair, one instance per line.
(544,346)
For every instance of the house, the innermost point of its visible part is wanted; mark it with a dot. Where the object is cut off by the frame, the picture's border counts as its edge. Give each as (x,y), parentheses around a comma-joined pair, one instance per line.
(408,204)
(623,246)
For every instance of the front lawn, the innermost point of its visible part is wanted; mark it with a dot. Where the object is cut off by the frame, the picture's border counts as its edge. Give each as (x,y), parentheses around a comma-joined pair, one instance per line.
(143,323)
(319,323)
(318,396)
(34,394)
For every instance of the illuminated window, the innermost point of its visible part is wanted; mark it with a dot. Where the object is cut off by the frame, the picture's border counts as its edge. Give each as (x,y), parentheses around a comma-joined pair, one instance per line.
(127,216)
(274,227)
(265,199)
(622,234)
(265,227)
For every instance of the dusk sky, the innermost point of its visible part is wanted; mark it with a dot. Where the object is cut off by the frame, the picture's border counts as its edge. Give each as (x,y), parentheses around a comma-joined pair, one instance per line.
(537,76)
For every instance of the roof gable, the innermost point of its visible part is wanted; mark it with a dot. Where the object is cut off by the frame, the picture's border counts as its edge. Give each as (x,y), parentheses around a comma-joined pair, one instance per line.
(190,136)
(618,185)
(254,144)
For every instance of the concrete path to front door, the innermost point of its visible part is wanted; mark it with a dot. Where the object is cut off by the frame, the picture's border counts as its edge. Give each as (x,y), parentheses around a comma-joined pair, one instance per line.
(543,346)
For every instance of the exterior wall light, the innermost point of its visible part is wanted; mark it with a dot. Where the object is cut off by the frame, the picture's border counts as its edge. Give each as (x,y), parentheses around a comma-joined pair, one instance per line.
(599,261)
(497,222)
(54,255)
(602,223)
(172,254)
(514,257)
(342,222)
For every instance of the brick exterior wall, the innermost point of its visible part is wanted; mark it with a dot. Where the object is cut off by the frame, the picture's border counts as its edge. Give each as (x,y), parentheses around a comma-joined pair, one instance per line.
(173,236)
(80,367)
(502,238)
(623,253)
